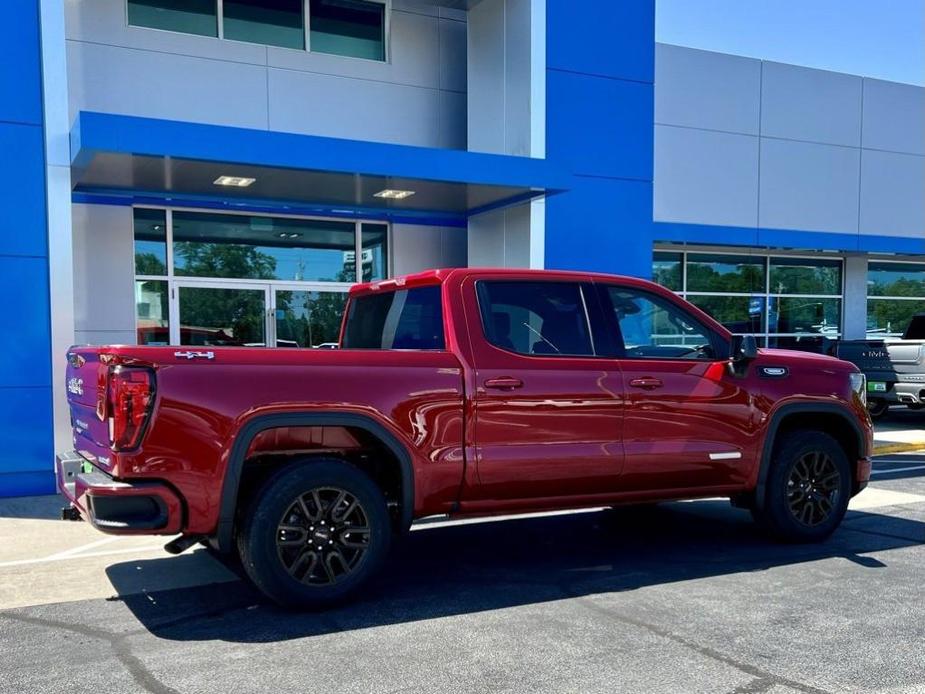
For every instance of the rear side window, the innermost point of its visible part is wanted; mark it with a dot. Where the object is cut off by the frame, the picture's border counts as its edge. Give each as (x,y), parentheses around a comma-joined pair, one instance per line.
(403,319)
(535,318)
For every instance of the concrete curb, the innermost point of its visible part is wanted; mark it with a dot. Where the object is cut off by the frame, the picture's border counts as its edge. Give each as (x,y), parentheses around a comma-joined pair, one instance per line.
(887,448)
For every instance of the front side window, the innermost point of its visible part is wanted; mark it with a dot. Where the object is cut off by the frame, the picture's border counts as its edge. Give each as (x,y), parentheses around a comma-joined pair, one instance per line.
(535,318)
(403,319)
(652,327)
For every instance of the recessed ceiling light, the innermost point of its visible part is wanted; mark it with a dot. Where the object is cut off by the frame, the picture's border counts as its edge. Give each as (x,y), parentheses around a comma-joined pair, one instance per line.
(390,194)
(234,181)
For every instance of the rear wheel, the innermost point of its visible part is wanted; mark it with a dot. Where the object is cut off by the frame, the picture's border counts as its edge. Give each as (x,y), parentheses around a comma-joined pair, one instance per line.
(314,534)
(878,408)
(808,488)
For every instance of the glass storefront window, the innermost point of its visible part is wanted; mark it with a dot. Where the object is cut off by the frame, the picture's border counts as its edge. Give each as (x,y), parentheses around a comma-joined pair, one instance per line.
(890,317)
(375,255)
(270,22)
(804,315)
(151,312)
(896,279)
(667,270)
(739,314)
(186,16)
(802,276)
(725,273)
(308,319)
(354,28)
(150,242)
(244,247)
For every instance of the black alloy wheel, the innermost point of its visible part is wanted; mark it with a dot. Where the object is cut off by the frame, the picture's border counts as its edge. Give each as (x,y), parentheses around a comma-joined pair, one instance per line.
(813,488)
(314,533)
(323,536)
(807,488)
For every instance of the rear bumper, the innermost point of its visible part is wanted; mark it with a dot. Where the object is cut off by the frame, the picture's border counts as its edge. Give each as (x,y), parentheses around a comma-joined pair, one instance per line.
(116,507)
(910,393)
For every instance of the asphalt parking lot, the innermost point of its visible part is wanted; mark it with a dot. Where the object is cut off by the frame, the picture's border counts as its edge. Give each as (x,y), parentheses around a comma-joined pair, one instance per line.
(689,597)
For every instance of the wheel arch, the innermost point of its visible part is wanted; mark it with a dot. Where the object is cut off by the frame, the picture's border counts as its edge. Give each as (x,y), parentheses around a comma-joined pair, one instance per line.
(798,416)
(237,457)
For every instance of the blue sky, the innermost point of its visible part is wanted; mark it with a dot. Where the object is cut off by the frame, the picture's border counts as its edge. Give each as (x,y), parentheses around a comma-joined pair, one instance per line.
(875,38)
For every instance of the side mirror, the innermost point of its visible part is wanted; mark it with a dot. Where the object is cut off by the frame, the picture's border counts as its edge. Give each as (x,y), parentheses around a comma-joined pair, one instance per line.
(744,348)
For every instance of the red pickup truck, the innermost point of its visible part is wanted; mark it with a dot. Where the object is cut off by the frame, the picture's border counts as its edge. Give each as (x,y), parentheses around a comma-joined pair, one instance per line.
(459,392)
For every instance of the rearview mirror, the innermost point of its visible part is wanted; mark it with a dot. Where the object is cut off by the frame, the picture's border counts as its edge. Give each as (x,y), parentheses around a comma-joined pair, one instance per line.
(744,348)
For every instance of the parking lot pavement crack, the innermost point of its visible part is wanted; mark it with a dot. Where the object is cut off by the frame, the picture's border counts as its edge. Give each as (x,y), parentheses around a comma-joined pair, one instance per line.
(705,651)
(117,642)
(756,686)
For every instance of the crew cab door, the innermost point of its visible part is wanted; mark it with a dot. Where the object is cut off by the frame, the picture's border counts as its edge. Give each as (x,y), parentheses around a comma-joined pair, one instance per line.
(548,409)
(689,421)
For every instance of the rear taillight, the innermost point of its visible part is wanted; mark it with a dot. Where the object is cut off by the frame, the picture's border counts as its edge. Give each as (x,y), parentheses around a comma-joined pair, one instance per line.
(130,399)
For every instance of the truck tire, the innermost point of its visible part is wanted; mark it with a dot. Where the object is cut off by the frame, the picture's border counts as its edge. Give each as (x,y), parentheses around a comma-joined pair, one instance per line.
(878,408)
(808,488)
(314,533)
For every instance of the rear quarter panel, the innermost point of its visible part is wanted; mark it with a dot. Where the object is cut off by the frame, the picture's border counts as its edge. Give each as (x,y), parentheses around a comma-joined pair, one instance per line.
(201,406)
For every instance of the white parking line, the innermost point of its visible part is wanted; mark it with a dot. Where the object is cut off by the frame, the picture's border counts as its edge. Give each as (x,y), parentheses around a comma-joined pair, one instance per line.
(82,548)
(71,557)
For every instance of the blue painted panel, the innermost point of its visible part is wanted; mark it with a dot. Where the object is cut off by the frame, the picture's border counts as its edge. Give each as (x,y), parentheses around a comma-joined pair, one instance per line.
(27,483)
(101,132)
(600,127)
(784,238)
(891,244)
(20,74)
(22,190)
(25,428)
(26,345)
(613,39)
(603,225)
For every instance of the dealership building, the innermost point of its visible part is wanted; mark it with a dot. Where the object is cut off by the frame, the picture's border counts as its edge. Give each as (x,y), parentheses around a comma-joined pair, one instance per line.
(211,172)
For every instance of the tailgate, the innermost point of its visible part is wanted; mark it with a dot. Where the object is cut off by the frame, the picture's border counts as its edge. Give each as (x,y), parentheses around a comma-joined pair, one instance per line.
(870,356)
(86,397)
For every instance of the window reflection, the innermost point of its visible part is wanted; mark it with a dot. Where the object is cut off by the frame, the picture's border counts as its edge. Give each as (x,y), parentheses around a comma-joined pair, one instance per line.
(243,247)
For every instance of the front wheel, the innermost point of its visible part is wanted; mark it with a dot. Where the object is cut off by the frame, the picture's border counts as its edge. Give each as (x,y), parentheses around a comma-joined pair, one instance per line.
(314,534)
(808,488)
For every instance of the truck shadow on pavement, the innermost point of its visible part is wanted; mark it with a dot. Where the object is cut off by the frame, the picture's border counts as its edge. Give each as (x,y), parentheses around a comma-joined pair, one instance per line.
(464,569)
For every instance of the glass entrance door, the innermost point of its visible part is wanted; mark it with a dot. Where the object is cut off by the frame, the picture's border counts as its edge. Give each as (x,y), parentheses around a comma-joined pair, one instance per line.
(220,315)
(305,317)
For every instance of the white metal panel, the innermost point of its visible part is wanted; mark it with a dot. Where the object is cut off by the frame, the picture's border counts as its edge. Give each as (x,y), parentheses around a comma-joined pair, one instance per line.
(801,103)
(455,251)
(485,57)
(315,104)
(416,248)
(453,128)
(808,186)
(702,89)
(104,268)
(162,85)
(893,194)
(705,177)
(894,116)
(452,55)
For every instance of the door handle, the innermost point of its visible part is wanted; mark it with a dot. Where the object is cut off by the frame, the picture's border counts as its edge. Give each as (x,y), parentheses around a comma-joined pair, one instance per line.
(646,383)
(504,383)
